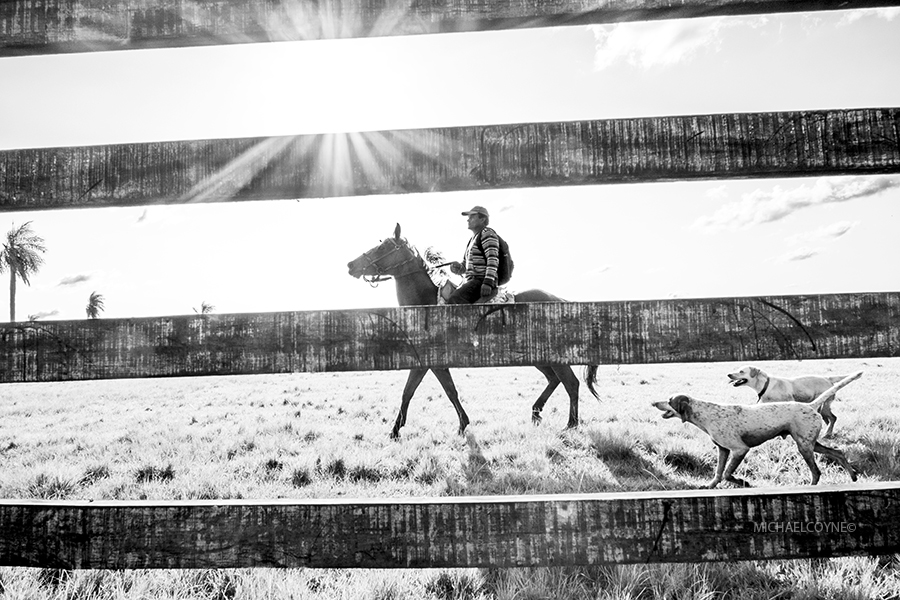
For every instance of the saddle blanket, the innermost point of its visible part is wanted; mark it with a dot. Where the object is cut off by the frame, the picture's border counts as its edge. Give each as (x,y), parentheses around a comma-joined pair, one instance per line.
(503,296)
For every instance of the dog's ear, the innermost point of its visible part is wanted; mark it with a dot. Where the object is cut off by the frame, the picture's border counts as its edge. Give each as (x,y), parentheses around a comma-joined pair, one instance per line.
(682,405)
(754,372)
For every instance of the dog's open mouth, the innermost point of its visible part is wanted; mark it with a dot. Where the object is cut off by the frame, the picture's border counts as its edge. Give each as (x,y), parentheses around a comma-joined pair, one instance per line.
(668,412)
(738,382)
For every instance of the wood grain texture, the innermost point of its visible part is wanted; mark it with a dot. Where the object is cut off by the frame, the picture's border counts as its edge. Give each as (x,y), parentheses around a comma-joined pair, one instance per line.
(61,26)
(501,531)
(783,144)
(624,332)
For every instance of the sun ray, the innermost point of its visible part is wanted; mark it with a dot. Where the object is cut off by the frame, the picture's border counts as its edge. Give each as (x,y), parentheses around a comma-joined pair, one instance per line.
(373,151)
(227,182)
(335,166)
(390,17)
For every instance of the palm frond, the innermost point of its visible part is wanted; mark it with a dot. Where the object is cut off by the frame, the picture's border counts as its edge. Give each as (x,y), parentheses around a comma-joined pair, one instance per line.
(94,306)
(432,256)
(22,252)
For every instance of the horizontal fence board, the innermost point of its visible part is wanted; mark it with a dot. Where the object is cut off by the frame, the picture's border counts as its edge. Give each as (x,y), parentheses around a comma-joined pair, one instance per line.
(622,332)
(725,146)
(62,26)
(502,531)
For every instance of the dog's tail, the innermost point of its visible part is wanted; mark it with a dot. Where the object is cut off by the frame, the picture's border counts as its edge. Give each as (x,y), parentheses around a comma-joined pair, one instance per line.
(817,403)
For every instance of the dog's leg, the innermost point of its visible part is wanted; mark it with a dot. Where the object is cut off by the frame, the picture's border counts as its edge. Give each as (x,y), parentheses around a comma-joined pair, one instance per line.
(806,451)
(720,467)
(831,420)
(838,456)
(737,457)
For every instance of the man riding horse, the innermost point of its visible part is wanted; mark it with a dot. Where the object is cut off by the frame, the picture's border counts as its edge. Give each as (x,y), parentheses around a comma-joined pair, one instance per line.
(395,258)
(480,262)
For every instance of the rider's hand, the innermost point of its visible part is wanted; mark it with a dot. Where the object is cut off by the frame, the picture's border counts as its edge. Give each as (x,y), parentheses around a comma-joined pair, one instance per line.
(486,290)
(456,268)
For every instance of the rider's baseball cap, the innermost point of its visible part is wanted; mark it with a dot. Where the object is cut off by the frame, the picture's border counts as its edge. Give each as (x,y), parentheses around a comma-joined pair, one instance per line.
(476,210)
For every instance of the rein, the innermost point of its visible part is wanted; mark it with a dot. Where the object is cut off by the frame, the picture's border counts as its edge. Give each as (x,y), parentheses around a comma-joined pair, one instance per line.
(386,273)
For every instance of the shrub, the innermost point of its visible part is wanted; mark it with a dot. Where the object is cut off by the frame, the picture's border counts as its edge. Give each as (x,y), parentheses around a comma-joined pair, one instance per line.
(150,473)
(94,474)
(300,478)
(51,487)
(363,473)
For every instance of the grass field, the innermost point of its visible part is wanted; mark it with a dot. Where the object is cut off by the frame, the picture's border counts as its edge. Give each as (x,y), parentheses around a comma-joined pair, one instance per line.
(326,436)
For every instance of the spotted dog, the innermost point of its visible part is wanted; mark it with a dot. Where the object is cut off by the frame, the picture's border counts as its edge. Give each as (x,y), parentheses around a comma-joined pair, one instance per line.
(780,389)
(735,429)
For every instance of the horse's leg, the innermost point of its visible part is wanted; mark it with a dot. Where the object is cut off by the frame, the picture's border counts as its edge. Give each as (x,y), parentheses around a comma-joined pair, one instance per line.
(570,381)
(415,378)
(552,384)
(443,376)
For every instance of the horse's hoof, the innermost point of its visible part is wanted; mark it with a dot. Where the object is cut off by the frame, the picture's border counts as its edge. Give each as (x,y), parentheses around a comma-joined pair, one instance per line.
(395,435)
(572,425)
(536,418)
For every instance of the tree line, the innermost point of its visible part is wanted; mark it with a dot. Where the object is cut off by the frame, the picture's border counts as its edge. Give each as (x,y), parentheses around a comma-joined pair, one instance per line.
(23,256)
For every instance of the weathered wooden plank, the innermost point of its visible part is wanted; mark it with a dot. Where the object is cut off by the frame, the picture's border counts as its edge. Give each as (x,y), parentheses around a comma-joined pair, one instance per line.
(58,26)
(683,330)
(784,144)
(502,531)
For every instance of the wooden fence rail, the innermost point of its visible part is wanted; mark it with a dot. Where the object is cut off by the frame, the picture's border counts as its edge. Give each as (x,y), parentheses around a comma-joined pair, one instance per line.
(658,526)
(725,146)
(689,330)
(57,26)
(504,531)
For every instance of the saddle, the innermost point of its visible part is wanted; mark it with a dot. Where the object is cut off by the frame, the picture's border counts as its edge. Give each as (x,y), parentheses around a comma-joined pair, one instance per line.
(500,295)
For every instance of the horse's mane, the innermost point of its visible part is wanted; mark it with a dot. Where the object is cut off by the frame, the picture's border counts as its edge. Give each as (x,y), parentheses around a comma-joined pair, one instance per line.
(428,261)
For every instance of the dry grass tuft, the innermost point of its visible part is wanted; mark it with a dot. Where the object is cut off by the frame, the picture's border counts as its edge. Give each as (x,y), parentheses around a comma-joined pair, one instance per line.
(151,473)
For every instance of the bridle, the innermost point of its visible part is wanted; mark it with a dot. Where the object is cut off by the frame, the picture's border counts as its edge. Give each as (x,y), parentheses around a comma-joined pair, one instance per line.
(385,274)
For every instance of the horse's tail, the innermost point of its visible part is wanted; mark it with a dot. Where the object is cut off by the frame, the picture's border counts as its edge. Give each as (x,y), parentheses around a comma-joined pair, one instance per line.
(590,378)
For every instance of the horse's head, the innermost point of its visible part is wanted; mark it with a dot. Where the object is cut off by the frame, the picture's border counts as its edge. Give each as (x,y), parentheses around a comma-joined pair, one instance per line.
(390,258)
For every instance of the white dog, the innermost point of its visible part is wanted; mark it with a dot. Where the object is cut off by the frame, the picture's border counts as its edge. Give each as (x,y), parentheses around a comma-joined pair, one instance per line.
(780,389)
(735,429)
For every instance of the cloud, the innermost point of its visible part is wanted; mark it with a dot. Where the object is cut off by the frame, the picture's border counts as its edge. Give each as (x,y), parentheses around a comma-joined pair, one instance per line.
(660,43)
(717,193)
(888,14)
(829,232)
(74,280)
(761,206)
(800,254)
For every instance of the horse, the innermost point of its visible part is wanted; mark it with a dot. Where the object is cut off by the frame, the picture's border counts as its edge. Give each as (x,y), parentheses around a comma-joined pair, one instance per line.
(395,258)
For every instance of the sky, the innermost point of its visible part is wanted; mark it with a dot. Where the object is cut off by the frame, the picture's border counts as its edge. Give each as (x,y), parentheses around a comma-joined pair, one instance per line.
(712,238)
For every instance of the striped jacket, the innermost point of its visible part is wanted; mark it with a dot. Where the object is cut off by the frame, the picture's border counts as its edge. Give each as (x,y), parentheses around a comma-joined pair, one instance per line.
(483,266)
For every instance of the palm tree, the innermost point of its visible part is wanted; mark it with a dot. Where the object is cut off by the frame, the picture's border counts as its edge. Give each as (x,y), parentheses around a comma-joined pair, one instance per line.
(205,308)
(21,254)
(94,305)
